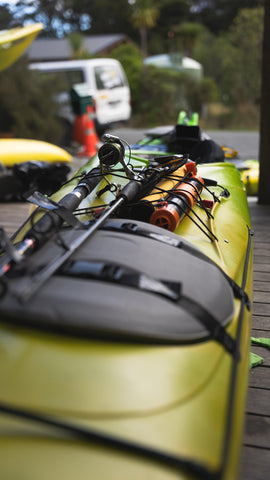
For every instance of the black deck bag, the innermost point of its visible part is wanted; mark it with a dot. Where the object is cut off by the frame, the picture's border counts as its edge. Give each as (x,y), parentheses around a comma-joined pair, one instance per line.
(46,177)
(129,281)
(188,139)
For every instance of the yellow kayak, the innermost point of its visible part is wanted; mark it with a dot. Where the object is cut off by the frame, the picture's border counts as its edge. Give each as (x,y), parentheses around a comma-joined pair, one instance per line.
(129,359)
(26,164)
(250,176)
(19,150)
(15,41)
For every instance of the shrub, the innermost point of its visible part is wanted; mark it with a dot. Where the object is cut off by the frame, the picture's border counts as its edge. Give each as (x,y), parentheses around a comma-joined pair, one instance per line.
(27,108)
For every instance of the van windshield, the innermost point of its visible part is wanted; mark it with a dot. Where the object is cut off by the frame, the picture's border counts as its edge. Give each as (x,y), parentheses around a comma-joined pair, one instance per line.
(108,77)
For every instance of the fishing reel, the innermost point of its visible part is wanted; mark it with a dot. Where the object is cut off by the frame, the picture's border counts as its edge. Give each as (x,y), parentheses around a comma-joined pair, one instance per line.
(113,152)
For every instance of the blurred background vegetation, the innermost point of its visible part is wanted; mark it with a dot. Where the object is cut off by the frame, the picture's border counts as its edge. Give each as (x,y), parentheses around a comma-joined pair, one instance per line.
(225,36)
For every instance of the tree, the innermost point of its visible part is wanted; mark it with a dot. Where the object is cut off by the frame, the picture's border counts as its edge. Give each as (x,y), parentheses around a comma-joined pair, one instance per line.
(171,12)
(145,16)
(264,179)
(246,36)
(6,18)
(130,57)
(59,17)
(76,42)
(233,60)
(27,108)
(218,15)
(188,34)
(107,16)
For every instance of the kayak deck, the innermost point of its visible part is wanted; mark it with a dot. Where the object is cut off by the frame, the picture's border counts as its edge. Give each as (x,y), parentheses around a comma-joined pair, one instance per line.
(253,459)
(188,420)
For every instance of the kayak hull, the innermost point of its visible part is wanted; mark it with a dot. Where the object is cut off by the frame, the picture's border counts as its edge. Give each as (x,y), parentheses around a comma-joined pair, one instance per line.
(15,41)
(153,408)
(19,150)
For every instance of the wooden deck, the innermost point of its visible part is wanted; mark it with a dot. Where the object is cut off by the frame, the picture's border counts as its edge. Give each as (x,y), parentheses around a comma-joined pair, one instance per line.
(255,463)
(256,450)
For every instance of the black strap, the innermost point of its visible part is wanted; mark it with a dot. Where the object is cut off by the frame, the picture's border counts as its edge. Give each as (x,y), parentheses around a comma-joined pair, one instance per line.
(132,228)
(170,290)
(216,330)
(89,435)
(110,272)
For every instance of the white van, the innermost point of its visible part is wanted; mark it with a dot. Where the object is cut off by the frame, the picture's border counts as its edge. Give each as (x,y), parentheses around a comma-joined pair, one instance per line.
(106,83)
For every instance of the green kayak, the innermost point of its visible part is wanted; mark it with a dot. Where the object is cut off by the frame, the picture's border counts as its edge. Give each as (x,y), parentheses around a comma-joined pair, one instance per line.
(125,324)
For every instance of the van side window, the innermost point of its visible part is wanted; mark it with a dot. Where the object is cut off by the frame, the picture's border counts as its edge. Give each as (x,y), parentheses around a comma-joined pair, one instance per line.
(108,77)
(74,76)
(68,78)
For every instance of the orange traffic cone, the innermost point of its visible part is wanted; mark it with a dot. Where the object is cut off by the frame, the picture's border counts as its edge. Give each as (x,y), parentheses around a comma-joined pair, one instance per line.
(79,127)
(90,136)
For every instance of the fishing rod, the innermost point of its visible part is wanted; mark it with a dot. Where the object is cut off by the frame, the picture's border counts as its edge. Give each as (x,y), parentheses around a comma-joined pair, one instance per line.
(56,215)
(139,185)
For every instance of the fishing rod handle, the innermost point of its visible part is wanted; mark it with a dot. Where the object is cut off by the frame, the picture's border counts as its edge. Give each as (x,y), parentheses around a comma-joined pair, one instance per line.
(51,220)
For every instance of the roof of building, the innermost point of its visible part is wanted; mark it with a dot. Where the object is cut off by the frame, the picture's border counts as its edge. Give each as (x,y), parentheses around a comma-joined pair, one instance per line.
(46,49)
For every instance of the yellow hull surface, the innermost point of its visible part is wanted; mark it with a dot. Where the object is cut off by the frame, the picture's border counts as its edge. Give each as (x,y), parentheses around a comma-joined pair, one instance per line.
(15,41)
(96,403)
(23,150)
(250,176)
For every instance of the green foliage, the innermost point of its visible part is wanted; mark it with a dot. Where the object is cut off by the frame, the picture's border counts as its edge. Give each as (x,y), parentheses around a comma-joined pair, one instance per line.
(76,43)
(105,16)
(6,18)
(164,92)
(218,15)
(233,60)
(230,51)
(27,109)
(187,34)
(161,97)
(144,17)
(246,36)
(130,57)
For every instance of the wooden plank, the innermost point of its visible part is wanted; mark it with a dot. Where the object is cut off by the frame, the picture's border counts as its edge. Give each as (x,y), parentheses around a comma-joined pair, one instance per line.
(259,333)
(262,268)
(261,247)
(261,309)
(261,323)
(261,235)
(12,215)
(261,286)
(259,376)
(258,401)
(256,451)
(259,258)
(261,297)
(255,463)
(257,431)
(260,253)
(261,276)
